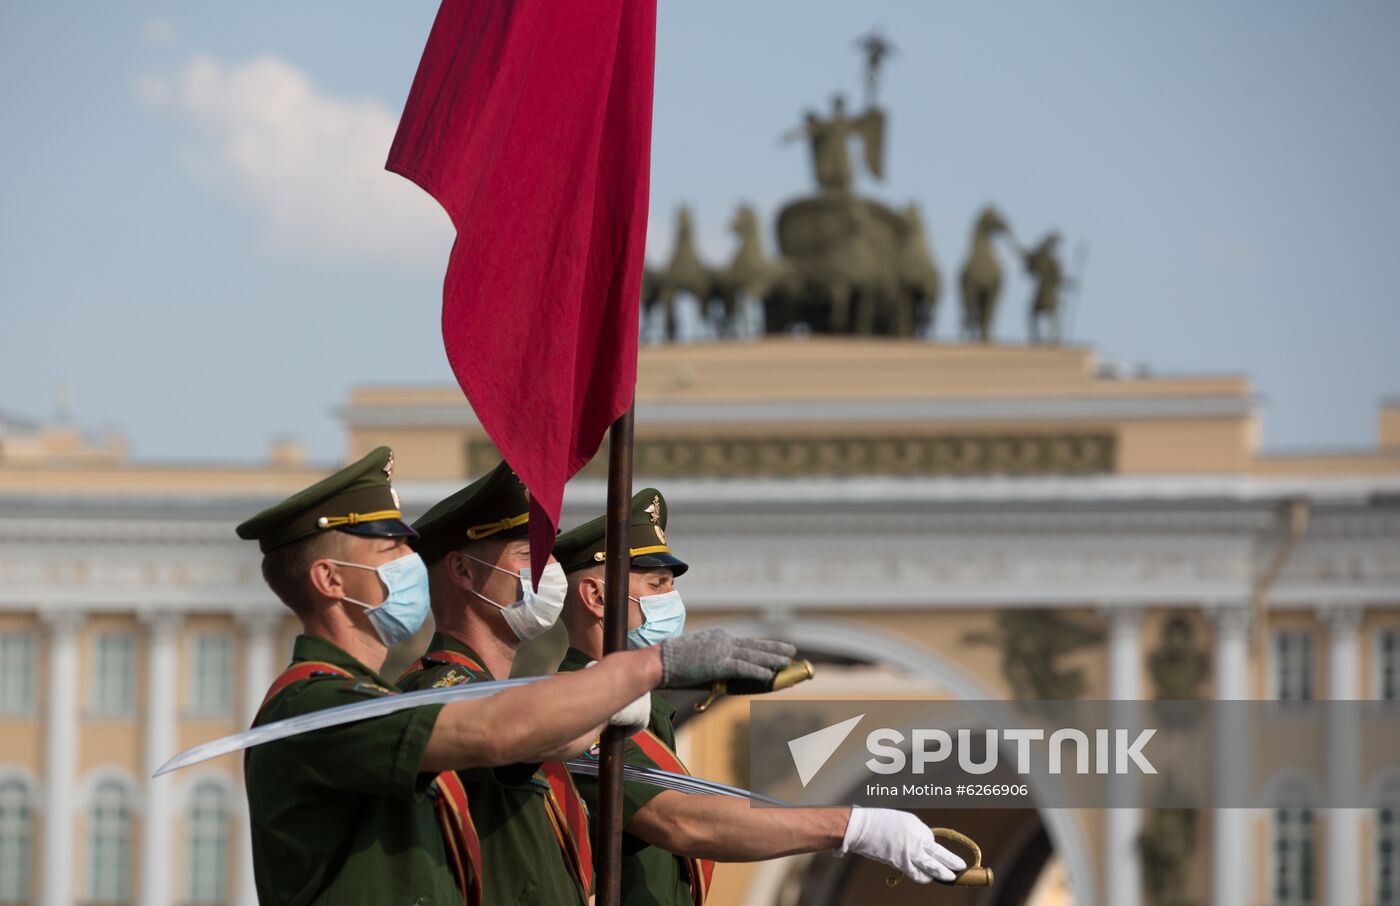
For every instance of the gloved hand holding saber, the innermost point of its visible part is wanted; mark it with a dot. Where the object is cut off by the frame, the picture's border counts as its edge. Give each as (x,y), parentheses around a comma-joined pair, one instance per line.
(798,671)
(974,875)
(712,656)
(635,716)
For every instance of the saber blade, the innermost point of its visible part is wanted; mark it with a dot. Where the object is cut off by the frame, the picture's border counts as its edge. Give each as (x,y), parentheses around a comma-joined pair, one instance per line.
(334,717)
(681,783)
(377,707)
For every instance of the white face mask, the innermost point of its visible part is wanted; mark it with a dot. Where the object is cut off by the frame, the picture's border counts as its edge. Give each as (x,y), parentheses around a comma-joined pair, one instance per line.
(534,611)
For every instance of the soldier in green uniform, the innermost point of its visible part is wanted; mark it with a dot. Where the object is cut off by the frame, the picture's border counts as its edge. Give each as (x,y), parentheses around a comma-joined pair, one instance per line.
(531,822)
(370,812)
(673,839)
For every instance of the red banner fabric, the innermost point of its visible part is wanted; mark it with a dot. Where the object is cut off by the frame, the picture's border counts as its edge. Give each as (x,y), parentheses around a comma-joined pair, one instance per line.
(529,121)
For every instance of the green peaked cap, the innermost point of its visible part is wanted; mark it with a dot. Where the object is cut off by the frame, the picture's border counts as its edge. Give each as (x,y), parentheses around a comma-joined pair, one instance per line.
(496,505)
(585,546)
(359,499)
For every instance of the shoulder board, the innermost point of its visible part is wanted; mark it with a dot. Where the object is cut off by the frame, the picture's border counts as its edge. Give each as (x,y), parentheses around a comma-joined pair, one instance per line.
(301,670)
(368,687)
(438,658)
(470,670)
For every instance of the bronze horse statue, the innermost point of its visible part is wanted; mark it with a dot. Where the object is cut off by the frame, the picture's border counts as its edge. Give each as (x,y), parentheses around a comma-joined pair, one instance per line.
(850,267)
(751,274)
(919,279)
(981,278)
(684,273)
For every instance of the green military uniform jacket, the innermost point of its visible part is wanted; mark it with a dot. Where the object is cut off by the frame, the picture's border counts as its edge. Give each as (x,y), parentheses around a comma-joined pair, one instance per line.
(343,815)
(521,862)
(650,874)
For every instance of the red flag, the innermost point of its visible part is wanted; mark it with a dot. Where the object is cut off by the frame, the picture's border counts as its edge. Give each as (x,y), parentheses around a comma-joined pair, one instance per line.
(529,121)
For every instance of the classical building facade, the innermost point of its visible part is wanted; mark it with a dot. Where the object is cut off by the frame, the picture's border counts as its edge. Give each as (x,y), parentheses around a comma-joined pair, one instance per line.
(905,512)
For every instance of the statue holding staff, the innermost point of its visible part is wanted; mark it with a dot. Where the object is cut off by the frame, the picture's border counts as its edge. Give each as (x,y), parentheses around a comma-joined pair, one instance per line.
(829,140)
(1043,263)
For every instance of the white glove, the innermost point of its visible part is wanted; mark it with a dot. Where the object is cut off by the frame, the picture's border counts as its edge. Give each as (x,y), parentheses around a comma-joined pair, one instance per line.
(901,841)
(635,717)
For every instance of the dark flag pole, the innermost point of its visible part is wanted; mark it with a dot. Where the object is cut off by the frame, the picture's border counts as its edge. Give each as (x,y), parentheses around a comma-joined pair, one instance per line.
(616,578)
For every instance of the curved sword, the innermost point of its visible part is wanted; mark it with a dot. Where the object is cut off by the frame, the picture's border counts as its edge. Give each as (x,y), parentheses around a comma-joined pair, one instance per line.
(344,714)
(796,672)
(334,717)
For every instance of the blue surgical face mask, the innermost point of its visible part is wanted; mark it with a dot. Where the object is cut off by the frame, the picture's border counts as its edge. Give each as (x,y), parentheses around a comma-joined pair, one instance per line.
(663,617)
(406,606)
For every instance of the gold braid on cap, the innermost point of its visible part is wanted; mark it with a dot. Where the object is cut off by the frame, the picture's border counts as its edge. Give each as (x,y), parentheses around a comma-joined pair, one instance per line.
(357,518)
(636,552)
(487,529)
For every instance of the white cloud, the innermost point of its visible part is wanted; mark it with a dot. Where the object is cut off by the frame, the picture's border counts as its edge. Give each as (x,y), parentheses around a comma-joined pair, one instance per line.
(309,166)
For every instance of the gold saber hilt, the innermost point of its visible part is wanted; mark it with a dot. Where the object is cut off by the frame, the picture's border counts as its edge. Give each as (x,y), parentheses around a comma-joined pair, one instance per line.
(798,671)
(975,875)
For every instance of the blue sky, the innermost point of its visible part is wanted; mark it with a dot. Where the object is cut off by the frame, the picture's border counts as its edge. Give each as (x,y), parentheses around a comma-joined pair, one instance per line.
(198,242)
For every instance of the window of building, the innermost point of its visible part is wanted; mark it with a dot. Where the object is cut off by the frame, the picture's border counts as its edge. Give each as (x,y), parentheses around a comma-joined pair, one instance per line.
(1293,667)
(16,840)
(1388,857)
(207,822)
(1293,857)
(212,692)
(113,671)
(109,844)
(1388,665)
(16,672)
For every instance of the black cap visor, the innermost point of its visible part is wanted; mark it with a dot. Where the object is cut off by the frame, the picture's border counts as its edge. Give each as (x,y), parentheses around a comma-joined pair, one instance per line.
(381,528)
(661,560)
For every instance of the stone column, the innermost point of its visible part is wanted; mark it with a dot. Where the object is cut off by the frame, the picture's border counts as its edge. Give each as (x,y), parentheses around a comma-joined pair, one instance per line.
(1343,845)
(1123,822)
(162,677)
(1125,654)
(1231,867)
(60,758)
(259,670)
